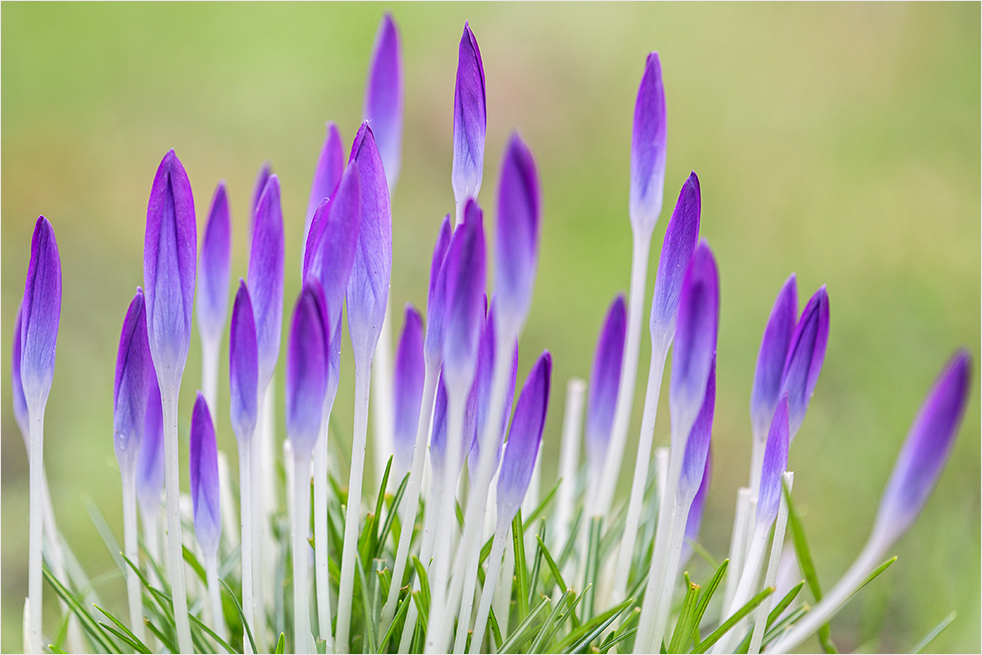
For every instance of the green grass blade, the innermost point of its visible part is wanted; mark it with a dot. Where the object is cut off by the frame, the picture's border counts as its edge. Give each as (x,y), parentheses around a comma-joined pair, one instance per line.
(524,630)
(280,645)
(166,640)
(536,561)
(390,518)
(122,637)
(938,629)
(707,595)
(599,624)
(538,511)
(592,565)
(687,621)
(521,572)
(106,533)
(192,560)
(397,619)
(495,629)
(728,624)
(196,622)
(618,638)
(238,609)
(130,638)
(89,624)
(548,626)
(557,576)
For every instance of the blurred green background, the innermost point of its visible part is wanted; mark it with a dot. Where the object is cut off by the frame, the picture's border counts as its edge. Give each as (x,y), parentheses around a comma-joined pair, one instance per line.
(838,141)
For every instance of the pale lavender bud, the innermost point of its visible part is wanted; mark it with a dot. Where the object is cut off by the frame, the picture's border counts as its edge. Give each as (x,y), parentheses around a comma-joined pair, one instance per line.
(697,445)
(131,384)
(680,242)
(205,487)
(40,314)
(266,278)
(262,177)
(805,357)
(243,367)
(327,175)
(150,461)
(170,253)
(306,370)
(368,286)
(438,438)
(383,97)
(436,296)
(464,313)
(604,382)
(770,360)
(470,120)
(16,387)
(925,451)
(524,439)
(408,387)
(215,268)
(648,148)
(775,464)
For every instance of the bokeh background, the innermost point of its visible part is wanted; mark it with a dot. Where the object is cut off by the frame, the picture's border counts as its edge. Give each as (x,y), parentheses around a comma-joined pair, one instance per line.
(838,141)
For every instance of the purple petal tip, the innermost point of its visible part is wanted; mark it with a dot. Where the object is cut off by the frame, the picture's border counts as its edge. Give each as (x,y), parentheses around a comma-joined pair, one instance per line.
(648,144)
(470,119)
(40,315)
(773,353)
(306,370)
(680,242)
(604,381)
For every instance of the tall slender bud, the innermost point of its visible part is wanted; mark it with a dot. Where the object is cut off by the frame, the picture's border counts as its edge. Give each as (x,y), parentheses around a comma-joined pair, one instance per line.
(805,357)
(383,97)
(215,268)
(648,149)
(470,120)
(772,356)
(243,367)
(697,445)
(436,295)
(266,277)
(775,464)
(464,314)
(306,370)
(131,384)
(604,380)
(150,461)
(409,375)
(327,175)
(205,487)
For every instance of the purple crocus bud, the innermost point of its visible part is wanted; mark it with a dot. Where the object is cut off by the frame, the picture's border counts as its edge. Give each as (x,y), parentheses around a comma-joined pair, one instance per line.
(215,268)
(524,439)
(438,438)
(243,367)
(266,278)
(470,120)
(680,242)
(695,340)
(170,252)
(648,149)
(805,357)
(16,387)
(482,413)
(408,386)
(436,296)
(464,314)
(306,370)
(775,464)
(697,445)
(383,97)
(327,175)
(477,399)
(204,479)
(368,286)
(150,461)
(130,387)
(40,314)
(773,353)
(925,451)
(262,177)
(604,381)
(519,223)
(694,520)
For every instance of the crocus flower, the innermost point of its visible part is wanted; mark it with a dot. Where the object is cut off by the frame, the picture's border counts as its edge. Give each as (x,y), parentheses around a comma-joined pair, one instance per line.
(697,445)
(170,252)
(131,385)
(368,286)
(150,461)
(438,438)
(216,261)
(408,388)
(925,451)
(604,380)
(805,357)
(680,242)
(772,356)
(519,227)
(648,149)
(464,313)
(16,387)
(470,120)
(262,177)
(436,296)
(383,97)
(695,340)
(243,366)
(694,520)
(327,175)
(775,464)
(204,478)
(524,439)
(306,370)
(40,314)
(266,278)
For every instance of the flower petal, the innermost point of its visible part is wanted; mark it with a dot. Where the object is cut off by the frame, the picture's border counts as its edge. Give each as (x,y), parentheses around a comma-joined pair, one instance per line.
(150,461)
(775,464)
(805,357)
(16,386)
(605,379)
(470,119)
(327,176)
(215,268)
(243,367)
(306,370)
(383,97)
(410,370)
(204,478)
(770,360)
(266,278)
(648,148)
(134,370)
(40,315)
(436,297)
(697,445)
(464,314)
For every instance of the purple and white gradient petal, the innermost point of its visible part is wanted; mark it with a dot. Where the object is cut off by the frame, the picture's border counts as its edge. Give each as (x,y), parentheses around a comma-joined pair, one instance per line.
(806,354)
(16,386)
(464,313)
(437,296)
(266,259)
(383,97)
(410,370)
(243,366)
(648,142)
(306,370)
(775,464)
(150,461)
(215,267)
(698,443)
(40,315)
(327,175)
(205,487)
(604,381)
(131,383)
(772,356)
(470,120)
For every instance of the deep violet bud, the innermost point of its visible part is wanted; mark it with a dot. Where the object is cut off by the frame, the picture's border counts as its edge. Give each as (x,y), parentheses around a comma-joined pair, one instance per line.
(775,464)
(368,286)
(204,478)
(604,381)
(770,360)
(332,242)
(131,384)
(150,461)
(695,340)
(700,438)
(680,242)
(470,119)
(262,177)
(805,357)
(436,296)
(648,148)
(16,387)
(327,175)
(519,227)
(266,278)
(464,313)
(408,386)
(925,451)
(243,367)
(215,267)
(170,254)
(524,439)
(40,314)
(383,97)
(306,370)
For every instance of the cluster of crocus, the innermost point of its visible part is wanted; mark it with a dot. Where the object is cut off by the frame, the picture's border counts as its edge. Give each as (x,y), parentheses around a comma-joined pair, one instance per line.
(402,581)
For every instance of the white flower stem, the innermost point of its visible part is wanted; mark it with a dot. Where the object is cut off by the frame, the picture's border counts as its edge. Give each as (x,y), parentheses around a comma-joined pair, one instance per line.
(247,539)
(172,476)
(227,502)
(383,412)
(487,594)
(151,539)
(748,582)
(569,454)
(773,562)
(626,553)
(680,514)
(301,520)
(215,596)
(35,530)
(263,505)
(57,563)
(363,375)
(130,546)
(629,374)
(737,543)
(209,372)
(321,576)
(502,595)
